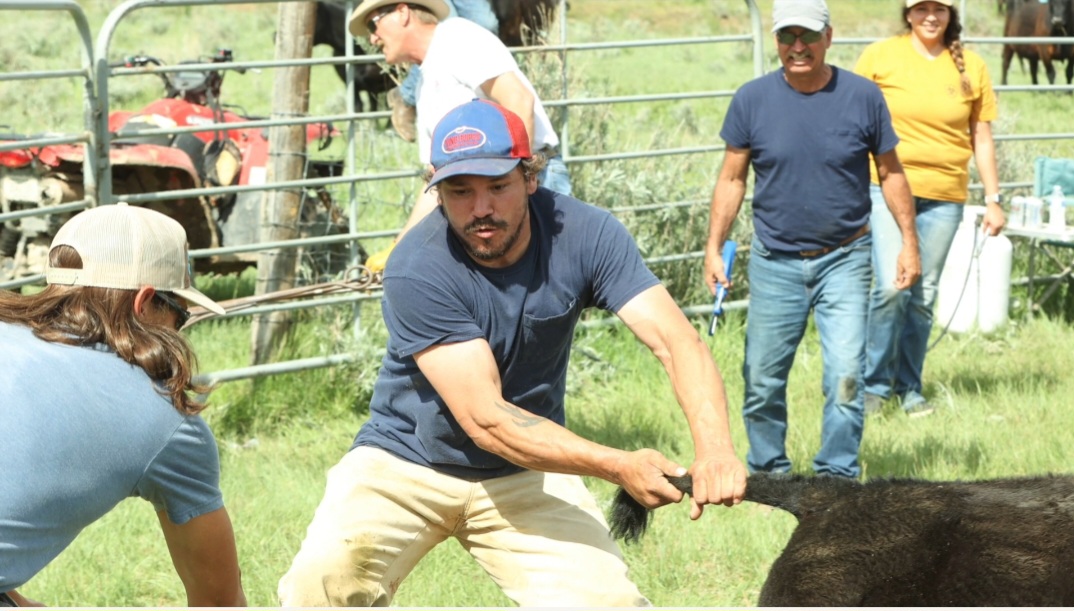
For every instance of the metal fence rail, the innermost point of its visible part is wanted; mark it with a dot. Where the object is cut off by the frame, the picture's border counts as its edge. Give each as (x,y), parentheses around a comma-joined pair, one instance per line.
(98,179)
(90,110)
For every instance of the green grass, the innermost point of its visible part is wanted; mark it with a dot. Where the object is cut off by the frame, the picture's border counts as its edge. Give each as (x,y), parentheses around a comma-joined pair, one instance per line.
(1005,407)
(1004,411)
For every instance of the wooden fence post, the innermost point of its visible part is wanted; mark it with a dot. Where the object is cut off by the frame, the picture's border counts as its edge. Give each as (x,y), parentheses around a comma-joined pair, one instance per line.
(287,154)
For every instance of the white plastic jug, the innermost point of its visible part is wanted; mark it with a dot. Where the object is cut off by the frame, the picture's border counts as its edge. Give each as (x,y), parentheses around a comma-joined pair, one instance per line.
(983,265)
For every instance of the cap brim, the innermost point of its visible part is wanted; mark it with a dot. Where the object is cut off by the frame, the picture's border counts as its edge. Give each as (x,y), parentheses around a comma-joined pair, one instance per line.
(802,22)
(475,167)
(196,297)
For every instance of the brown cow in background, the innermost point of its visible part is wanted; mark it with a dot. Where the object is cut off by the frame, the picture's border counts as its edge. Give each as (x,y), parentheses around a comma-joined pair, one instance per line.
(1035,18)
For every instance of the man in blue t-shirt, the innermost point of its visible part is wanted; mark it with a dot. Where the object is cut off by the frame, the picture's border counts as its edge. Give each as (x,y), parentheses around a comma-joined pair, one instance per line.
(96,405)
(808,130)
(466,434)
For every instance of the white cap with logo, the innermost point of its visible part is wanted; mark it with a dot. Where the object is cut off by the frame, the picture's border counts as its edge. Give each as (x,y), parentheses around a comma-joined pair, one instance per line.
(128,247)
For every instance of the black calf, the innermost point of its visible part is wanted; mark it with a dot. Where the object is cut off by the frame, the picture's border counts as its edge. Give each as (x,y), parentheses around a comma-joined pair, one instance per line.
(370,78)
(903,542)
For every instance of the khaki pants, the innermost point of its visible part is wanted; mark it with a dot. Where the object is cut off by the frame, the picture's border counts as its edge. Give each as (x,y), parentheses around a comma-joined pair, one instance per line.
(540,536)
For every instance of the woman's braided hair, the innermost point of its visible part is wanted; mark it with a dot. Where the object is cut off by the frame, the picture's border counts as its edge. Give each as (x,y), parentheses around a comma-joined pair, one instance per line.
(952,39)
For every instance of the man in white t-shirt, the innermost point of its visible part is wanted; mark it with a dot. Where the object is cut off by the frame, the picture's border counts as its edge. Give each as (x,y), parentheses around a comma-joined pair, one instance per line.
(460,61)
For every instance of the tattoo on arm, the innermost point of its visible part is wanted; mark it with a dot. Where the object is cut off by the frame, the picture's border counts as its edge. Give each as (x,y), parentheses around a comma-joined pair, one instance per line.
(521,418)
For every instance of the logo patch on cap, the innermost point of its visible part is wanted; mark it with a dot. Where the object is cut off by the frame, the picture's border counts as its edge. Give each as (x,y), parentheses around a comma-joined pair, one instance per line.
(463,139)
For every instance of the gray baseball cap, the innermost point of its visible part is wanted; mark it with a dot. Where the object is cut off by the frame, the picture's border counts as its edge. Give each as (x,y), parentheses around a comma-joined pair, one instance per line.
(808,14)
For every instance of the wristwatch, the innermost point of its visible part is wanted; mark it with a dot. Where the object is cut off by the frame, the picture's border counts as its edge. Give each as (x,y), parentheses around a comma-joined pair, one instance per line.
(995,198)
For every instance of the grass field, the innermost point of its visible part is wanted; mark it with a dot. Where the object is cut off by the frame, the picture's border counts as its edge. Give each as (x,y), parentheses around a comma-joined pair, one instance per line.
(1004,398)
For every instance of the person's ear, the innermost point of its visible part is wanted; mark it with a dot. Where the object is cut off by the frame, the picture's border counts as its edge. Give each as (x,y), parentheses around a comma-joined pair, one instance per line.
(142,297)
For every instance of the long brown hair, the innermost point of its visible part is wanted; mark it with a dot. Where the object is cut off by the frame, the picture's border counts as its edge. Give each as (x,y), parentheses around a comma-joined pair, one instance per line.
(84,316)
(952,39)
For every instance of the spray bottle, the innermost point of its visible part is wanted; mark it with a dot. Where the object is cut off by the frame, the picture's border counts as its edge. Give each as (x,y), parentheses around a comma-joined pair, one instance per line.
(728,255)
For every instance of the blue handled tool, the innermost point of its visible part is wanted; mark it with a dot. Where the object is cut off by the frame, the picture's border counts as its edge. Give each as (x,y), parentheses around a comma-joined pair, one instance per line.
(728,254)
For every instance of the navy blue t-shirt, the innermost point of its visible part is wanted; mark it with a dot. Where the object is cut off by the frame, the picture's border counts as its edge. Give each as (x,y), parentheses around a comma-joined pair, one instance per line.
(579,256)
(810,156)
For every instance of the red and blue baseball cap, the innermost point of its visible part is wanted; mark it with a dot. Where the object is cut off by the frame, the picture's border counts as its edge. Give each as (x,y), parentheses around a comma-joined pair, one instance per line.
(480,138)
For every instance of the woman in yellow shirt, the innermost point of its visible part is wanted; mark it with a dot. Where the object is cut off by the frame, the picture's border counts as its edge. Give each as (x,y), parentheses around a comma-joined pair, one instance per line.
(942,104)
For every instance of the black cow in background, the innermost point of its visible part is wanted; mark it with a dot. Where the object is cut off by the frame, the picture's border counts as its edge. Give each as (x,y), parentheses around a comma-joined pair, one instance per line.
(370,78)
(901,543)
(1030,18)
(522,22)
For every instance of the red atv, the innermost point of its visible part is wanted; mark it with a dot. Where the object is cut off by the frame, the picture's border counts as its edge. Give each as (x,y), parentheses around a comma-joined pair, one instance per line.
(154,163)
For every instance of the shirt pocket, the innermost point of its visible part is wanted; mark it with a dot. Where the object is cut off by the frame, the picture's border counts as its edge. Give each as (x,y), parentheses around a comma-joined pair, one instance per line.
(843,147)
(546,338)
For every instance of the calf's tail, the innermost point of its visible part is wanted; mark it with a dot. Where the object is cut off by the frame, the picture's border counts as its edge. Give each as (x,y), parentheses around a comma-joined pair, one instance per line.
(629,519)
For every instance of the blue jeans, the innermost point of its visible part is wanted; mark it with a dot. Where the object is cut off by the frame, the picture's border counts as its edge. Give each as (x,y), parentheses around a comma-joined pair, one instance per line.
(554,176)
(784,287)
(478,11)
(900,321)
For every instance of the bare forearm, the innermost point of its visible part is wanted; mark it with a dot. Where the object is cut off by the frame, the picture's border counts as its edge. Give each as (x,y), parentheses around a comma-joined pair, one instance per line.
(900,202)
(727,199)
(536,443)
(22,601)
(984,154)
(719,477)
(986,167)
(896,190)
(699,390)
(205,558)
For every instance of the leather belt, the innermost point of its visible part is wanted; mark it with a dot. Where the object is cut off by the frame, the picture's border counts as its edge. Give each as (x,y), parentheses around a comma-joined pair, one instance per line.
(809,254)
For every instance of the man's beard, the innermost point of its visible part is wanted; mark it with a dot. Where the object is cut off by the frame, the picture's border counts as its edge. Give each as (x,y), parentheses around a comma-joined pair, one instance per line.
(485,253)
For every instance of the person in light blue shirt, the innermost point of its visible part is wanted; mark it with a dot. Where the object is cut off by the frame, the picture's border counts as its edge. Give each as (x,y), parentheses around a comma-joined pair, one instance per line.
(96,405)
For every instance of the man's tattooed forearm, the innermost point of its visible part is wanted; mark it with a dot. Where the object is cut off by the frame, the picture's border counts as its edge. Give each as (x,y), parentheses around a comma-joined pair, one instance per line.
(521,418)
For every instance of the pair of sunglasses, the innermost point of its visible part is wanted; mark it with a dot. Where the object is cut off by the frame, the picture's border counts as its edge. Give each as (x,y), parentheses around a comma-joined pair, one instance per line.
(182,315)
(371,25)
(808,37)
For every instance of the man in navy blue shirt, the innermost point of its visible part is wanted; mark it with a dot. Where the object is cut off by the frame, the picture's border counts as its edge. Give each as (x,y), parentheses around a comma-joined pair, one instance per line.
(466,434)
(809,130)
